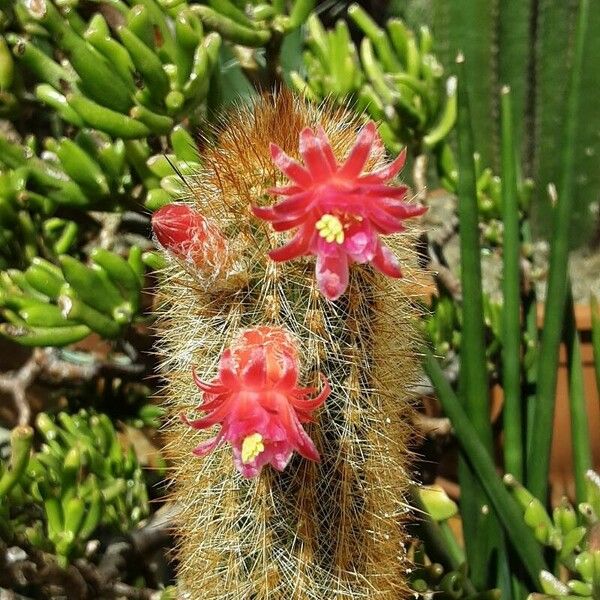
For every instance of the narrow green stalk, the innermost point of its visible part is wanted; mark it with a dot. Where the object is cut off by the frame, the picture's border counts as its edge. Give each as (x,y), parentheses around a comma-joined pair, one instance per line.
(452,545)
(510,515)
(580,435)
(473,372)
(539,456)
(595,310)
(555,38)
(474,390)
(514,59)
(472,31)
(511,324)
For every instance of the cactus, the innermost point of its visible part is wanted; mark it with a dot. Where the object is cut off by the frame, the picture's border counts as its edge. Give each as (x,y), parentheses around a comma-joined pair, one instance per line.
(315,530)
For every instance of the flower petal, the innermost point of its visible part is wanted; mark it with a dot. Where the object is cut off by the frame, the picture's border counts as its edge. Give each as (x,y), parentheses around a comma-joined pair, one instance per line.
(210,388)
(228,370)
(332,274)
(359,154)
(254,373)
(385,261)
(216,416)
(326,147)
(382,190)
(286,190)
(299,438)
(386,172)
(292,168)
(298,246)
(311,149)
(313,403)
(385,222)
(264,212)
(208,446)
(287,224)
(293,204)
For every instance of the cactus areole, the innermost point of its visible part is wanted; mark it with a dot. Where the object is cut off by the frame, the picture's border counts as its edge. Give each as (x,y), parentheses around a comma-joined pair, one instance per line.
(305,380)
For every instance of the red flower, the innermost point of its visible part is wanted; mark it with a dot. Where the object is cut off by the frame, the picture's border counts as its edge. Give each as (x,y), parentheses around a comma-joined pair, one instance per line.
(187,234)
(257,402)
(338,212)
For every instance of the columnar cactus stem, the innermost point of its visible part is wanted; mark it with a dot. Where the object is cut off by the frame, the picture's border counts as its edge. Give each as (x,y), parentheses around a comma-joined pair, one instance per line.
(317,530)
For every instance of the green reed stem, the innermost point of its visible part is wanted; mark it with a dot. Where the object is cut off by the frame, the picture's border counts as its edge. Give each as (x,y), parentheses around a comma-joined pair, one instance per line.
(474,391)
(538,460)
(510,515)
(473,371)
(580,435)
(511,325)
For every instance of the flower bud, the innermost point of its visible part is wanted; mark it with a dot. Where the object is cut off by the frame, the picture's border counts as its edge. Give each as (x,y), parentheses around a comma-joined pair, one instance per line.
(185,232)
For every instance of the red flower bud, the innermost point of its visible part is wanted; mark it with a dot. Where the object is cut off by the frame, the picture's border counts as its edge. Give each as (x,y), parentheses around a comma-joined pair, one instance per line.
(186,233)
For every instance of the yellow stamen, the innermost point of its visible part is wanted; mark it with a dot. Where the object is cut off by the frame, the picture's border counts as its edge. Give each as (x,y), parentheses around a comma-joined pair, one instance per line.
(252,446)
(331,228)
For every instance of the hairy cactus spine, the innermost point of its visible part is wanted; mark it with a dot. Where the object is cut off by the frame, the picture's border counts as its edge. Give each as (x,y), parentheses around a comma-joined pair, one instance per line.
(317,530)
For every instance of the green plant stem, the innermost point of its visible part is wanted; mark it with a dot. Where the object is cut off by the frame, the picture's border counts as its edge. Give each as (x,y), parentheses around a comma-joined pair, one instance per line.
(473,371)
(474,391)
(452,545)
(472,31)
(538,459)
(514,58)
(580,435)
(511,321)
(510,515)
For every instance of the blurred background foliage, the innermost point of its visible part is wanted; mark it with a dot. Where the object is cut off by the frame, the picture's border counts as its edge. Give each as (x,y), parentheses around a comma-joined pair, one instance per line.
(102,106)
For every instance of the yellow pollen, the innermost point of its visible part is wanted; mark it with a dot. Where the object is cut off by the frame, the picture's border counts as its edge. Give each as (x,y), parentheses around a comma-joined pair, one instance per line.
(330,228)
(252,446)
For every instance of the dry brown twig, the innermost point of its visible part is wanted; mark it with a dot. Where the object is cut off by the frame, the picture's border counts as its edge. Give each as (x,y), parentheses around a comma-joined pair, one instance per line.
(48,365)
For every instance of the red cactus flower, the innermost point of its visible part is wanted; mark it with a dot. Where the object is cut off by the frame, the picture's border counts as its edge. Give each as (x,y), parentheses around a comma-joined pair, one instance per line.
(338,212)
(187,234)
(257,402)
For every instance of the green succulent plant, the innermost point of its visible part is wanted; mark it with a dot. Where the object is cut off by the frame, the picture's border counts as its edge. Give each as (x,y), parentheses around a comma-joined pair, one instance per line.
(81,478)
(572,535)
(50,305)
(394,77)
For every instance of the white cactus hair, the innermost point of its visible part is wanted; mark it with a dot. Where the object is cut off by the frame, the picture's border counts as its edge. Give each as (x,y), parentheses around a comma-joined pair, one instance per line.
(316,531)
